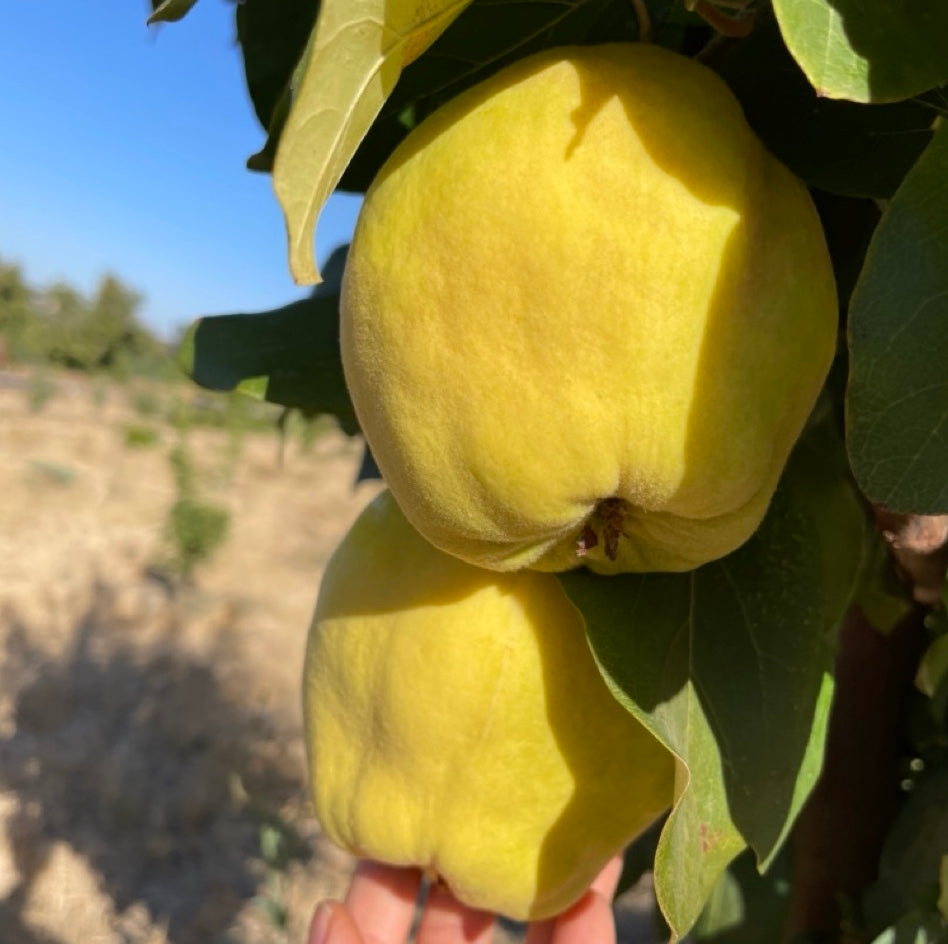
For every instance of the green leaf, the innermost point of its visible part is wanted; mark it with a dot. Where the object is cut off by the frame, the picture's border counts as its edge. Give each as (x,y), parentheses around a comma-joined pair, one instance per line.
(880,593)
(169,11)
(357,54)
(723,911)
(914,928)
(843,147)
(746,907)
(867,50)
(897,401)
(288,356)
(910,865)
(933,668)
(943,887)
(729,667)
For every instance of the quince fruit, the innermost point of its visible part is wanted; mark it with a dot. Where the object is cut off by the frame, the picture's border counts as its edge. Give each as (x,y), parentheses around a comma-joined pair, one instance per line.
(585,316)
(456,721)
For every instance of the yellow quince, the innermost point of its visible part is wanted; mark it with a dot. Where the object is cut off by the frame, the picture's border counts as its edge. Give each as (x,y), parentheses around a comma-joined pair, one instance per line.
(456,721)
(585,316)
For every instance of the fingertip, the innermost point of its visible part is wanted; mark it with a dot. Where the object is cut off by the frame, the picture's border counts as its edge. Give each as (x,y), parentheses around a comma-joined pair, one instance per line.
(382,899)
(332,924)
(445,919)
(607,881)
(591,919)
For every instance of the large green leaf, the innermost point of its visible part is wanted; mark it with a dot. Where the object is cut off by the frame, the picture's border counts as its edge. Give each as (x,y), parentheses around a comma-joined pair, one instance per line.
(843,147)
(288,356)
(867,50)
(729,666)
(897,401)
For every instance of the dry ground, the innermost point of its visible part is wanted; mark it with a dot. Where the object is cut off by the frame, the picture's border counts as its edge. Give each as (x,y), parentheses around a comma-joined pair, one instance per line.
(151,769)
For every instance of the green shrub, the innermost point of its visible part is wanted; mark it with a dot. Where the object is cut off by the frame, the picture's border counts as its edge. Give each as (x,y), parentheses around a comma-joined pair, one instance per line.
(139,437)
(196,529)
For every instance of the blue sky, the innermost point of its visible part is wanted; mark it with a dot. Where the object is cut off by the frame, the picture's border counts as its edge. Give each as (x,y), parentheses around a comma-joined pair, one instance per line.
(123,150)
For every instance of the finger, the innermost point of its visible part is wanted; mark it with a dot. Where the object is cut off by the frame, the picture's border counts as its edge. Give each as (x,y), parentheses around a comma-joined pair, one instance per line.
(540,932)
(381,900)
(604,885)
(446,921)
(591,918)
(606,882)
(332,924)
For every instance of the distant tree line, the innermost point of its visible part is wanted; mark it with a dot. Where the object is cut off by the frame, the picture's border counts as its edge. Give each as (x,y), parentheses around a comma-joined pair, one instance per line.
(58,326)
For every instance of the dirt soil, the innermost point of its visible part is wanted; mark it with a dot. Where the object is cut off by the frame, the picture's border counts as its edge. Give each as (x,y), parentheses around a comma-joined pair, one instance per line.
(151,763)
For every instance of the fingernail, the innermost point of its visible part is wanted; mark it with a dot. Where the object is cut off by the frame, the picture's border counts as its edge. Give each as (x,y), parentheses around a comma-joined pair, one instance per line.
(322,919)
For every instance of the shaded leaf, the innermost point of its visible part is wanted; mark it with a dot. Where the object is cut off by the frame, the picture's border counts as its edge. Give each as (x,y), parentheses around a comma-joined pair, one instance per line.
(358,52)
(639,856)
(729,667)
(867,50)
(723,911)
(843,147)
(933,668)
(169,11)
(913,928)
(288,356)
(747,907)
(272,37)
(910,865)
(897,401)
(943,887)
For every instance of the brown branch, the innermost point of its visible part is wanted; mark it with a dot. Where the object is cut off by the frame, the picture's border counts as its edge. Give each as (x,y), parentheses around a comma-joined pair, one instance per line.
(919,546)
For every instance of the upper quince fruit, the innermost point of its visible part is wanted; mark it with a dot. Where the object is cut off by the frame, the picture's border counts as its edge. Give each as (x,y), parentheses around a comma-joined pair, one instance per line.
(456,721)
(585,316)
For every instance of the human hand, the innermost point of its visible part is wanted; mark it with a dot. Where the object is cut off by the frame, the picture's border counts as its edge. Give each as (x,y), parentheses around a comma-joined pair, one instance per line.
(380,907)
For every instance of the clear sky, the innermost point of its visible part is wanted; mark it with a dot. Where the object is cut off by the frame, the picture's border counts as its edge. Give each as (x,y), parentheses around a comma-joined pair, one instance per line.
(122,149)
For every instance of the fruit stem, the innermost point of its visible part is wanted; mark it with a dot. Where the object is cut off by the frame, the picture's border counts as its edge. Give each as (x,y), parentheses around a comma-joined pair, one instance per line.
(605,522)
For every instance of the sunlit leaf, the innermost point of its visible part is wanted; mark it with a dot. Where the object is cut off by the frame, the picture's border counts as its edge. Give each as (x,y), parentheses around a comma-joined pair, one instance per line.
(867,50)
(729,667)
(897,401)
(357,55)
(844,147)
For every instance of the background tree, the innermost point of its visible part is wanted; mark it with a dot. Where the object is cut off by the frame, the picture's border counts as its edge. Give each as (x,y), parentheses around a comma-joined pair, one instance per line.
(58,325)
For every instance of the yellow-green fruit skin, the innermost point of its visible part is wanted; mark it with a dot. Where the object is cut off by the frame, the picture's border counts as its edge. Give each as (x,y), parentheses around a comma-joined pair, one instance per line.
(586,278)
(456,721)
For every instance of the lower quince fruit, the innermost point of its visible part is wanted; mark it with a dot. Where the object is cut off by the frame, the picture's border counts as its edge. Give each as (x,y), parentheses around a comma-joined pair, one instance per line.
(456,721)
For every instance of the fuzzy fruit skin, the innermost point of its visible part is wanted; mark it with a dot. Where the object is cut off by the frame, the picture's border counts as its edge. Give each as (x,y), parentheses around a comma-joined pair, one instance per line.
(456,721)
(585,278)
